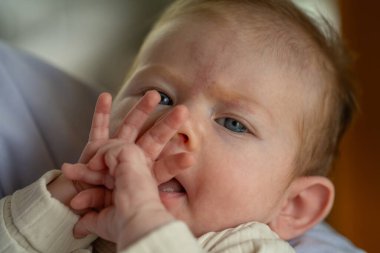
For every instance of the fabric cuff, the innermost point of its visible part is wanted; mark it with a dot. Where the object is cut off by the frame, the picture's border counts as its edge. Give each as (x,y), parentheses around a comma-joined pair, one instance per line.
(45,222)
(172,237)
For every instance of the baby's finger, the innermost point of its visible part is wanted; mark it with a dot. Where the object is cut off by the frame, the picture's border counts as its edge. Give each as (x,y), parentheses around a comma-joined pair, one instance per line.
(96,198)
(135,119)
(168,167)
(100,121)
(155,139)
(99,162)
(80,172)
(86,225)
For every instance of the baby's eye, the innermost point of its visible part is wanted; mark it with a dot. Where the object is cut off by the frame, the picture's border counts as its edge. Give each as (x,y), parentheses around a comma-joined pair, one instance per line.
(165,99)
(232,125)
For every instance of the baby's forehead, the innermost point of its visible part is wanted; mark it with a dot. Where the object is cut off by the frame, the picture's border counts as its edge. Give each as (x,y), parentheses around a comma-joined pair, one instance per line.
(276,37)
(289,41)
(268,30)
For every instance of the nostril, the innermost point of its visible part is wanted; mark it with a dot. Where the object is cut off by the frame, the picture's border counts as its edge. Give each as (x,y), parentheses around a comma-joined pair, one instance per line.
(184,138)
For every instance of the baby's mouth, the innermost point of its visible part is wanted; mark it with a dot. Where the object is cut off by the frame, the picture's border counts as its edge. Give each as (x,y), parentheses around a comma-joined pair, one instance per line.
(171,186)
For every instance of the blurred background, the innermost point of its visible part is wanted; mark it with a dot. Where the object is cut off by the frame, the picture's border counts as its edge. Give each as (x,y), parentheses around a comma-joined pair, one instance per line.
(96,41)
(93,40)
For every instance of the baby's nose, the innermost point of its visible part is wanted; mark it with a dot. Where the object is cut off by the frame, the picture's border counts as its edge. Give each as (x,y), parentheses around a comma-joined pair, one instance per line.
(178,143)
(188,137)
(182,138)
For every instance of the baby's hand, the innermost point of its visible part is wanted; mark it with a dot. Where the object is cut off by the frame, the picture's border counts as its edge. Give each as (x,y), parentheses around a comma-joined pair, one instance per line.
(137,157)
(135,208)
(95,173)
(81,175)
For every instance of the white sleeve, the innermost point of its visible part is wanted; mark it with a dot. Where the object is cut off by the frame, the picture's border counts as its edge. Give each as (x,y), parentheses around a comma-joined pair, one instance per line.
(252,237)
(32,221)
(172,237)
(176,237)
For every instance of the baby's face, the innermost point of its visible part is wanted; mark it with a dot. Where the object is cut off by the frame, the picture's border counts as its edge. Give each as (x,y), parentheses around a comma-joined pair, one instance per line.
(242,126)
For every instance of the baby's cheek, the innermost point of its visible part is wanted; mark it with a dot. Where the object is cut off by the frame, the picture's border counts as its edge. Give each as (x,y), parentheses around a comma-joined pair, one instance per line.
(120,109)
(159,112)
(116,121)
(114,125)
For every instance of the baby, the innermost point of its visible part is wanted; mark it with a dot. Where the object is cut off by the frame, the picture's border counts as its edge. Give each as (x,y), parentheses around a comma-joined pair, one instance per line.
(234,109)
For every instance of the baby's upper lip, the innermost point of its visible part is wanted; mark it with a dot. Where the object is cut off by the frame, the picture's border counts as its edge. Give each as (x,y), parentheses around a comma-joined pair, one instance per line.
(173,185)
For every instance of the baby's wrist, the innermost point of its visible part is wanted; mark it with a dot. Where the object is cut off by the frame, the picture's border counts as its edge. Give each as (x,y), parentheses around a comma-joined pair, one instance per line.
(62,189)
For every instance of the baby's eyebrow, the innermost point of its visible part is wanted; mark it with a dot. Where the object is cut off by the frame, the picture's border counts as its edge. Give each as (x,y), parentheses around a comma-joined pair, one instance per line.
(237,99)
(160,71)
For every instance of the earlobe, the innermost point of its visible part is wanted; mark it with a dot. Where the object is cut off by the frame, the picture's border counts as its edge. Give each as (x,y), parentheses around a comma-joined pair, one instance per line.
(307,202)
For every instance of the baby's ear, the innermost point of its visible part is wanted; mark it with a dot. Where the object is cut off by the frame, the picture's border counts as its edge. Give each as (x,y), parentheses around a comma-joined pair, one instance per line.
(307,202)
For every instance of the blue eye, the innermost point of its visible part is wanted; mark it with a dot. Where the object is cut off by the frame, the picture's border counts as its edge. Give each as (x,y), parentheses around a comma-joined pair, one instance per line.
(232,125)
(165,99)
